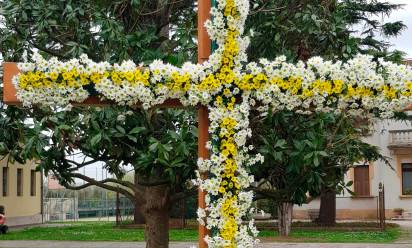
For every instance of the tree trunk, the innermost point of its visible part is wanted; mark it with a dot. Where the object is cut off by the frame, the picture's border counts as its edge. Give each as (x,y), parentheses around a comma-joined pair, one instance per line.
(138,217)
(285,210)
(157,210)
(327,211)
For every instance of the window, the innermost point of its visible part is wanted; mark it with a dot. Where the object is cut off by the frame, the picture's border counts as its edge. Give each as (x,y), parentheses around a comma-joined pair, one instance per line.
(32,182)
(19,182)
(361,180)
(406,179)
(5,181)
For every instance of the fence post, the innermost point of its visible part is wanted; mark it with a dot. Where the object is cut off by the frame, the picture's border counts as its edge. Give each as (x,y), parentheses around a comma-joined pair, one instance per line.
(117,209)
(382,211)
(184,213)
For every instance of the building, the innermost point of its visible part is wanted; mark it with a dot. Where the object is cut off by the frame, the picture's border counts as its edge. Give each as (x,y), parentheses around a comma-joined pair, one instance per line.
(395,141)
(20,193)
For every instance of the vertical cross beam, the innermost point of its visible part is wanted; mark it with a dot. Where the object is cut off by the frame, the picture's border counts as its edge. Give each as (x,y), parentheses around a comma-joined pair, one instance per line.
(203,137)
(204,44)
(203,49)
(9,92)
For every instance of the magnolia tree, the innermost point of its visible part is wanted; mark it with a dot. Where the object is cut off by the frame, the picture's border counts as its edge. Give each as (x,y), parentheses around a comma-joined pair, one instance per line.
(105,30)
(158,146)
(304,158)
(229,87)
(300,29)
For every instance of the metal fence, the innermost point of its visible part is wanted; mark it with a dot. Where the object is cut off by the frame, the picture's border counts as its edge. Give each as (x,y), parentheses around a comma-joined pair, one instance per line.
(73,209)
(60,209)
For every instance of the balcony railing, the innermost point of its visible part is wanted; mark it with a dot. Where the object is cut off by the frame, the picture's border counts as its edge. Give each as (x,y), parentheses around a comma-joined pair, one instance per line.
(400,138)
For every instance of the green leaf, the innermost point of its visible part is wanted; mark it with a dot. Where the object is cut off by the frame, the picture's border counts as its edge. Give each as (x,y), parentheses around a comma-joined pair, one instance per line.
(64,127)
(96,139)
(120,129)
(153,147)
(39,147)
(350,192)
(174,135)
(163,162)
(323,153)
(308,156)
(280,143)
(137,130)
(132,138)
(316,161)
(3,148)
(168,147)
(95,124)
(135,3)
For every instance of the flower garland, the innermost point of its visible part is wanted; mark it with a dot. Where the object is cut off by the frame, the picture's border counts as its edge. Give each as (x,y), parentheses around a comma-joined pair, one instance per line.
(229,88)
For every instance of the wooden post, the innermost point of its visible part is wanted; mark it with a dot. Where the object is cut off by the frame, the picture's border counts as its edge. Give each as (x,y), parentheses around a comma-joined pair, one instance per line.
(204,49)
(203,137)
(204,45)
(9,92)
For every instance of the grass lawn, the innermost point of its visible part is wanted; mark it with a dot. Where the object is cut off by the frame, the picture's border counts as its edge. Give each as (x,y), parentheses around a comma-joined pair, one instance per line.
(104,231)
(90,231)
(325,236)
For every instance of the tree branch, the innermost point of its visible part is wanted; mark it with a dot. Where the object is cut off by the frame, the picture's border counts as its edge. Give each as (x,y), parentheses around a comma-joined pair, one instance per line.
(103,184)
(276,195)
(80,165)
(107,180)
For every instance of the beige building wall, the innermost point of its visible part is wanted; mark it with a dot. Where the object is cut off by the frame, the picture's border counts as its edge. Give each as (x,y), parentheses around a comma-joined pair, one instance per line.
(365,207)
(24,209)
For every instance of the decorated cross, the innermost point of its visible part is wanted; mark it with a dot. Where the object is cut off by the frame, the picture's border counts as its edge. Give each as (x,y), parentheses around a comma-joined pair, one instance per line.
(226,87)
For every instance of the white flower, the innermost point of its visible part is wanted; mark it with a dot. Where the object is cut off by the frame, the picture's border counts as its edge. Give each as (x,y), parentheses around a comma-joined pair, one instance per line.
(121,118)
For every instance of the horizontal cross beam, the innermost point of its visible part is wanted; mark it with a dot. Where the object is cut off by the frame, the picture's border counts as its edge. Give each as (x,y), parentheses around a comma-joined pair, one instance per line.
(10,70)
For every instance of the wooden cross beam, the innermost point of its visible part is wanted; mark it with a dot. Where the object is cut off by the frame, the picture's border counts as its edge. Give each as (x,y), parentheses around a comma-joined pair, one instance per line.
(10,69)
(204,49)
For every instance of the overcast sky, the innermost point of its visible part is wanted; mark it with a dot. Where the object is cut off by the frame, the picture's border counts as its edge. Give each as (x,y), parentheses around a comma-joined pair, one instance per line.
(404,41)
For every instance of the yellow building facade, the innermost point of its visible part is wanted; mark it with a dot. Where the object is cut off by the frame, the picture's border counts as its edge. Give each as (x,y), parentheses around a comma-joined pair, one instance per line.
(20,193)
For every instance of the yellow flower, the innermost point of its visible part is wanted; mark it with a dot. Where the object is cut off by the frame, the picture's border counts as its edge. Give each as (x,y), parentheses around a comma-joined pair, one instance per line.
(338,86)
(96,77)
(307,93)
(219,100)
(115,78)
(53,76)
(129,76)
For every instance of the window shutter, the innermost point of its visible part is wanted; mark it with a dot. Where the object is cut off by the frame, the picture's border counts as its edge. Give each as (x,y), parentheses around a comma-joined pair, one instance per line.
(361,180)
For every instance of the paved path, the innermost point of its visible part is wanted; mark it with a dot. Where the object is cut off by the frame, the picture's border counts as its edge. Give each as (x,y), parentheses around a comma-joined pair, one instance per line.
(406,232)
(73,244)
